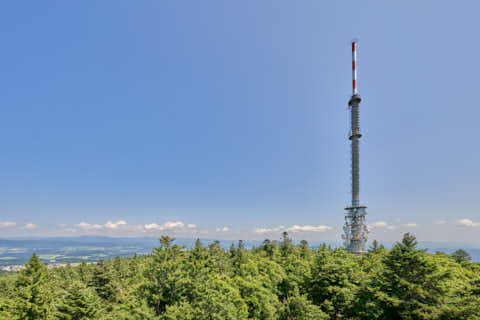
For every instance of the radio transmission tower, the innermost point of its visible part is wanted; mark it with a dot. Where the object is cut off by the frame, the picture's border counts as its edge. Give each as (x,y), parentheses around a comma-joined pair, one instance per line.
(356,231)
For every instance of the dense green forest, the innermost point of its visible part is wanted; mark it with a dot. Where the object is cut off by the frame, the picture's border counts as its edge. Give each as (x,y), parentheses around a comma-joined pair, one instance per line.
(278,280)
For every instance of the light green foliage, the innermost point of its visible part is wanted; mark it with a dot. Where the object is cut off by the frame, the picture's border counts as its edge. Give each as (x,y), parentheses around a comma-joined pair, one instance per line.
(165,276)
(275,281)
(7,296)
(300,308)
(34,292)
(79,303)
(105,280)
(212,298)
(262,304)
(411,285)
(336,276)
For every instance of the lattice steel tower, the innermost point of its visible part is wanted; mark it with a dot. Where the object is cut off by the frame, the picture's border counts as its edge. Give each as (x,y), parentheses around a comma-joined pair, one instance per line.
(356,231)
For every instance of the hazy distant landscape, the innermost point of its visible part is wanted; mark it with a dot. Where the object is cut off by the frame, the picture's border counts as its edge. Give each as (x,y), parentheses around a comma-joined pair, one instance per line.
(83,249)
(70,250)
(92,249)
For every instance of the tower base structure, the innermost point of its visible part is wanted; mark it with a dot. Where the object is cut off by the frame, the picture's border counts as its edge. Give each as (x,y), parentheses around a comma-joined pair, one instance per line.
(355,236)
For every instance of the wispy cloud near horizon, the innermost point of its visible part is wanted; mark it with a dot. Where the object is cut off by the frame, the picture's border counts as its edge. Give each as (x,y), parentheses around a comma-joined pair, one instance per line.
(468,223)
(7,224)
(381,225)
(294,229)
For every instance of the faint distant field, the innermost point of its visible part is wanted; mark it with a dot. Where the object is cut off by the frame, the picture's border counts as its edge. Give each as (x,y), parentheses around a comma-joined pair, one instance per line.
(70,250)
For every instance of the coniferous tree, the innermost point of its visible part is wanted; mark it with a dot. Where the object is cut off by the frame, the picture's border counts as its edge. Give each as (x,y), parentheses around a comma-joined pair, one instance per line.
(84,273)
(218,259)
(267,247)
(410,286)
(232,250)
(164,276)
(7,296)
(376,247)
(270,282)
(104,281)
(335,281)
(300,308)
(212,298)
(35,295)
(304,249)
(286,245)
(461,256)
(79,303)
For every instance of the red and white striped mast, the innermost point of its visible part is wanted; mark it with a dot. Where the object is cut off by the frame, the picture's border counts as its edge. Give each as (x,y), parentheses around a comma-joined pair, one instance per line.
(354,67)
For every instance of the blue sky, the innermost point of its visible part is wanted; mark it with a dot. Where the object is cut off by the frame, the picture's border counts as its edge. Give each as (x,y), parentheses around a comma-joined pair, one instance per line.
(229,119)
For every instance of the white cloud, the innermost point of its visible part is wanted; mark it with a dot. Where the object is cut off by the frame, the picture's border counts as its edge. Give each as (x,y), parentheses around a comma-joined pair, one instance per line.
(172,225)
(88,226)
(294,228)
(468,223)
(224,229)
(380,224)
(30,226)
(267,230)
(411,225)
(441,222)
(109,225)
(7,224)
(116,225)
(151,226)
(124,227)
(176,226)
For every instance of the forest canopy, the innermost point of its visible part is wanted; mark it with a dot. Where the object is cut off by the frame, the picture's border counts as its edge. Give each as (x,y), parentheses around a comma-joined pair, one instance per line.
(277,280)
